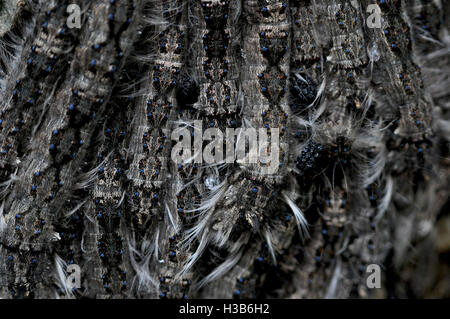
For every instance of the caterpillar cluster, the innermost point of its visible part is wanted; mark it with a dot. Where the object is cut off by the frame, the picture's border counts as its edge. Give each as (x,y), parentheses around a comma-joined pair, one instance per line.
(90,118)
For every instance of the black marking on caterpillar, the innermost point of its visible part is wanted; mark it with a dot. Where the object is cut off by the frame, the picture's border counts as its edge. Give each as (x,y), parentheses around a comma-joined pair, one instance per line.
(308,162)
(188,92)
(303,92)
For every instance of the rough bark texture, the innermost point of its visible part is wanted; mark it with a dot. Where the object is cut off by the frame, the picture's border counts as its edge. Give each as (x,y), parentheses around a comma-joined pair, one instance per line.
(88,178)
